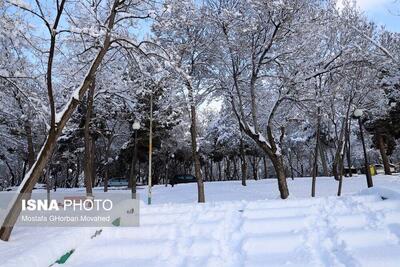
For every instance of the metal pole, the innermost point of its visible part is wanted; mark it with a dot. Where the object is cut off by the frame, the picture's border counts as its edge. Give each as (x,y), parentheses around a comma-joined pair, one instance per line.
(150,148)
(133,166)
(366,163)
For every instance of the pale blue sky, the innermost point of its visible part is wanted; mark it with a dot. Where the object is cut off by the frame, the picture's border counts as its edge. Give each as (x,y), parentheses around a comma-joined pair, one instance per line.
(383,12)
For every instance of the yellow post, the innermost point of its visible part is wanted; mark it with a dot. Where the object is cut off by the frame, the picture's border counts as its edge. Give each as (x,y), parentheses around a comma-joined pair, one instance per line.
(372,169)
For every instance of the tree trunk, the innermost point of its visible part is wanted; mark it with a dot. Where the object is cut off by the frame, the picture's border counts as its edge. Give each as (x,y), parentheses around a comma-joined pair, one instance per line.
(290,164)
(244,171)
(272,150)
(78,170)
(341,171)
(341,161)
(339,151)
(219,171)
(11,173)
(265,167)
(207,170)
(31,151)
(348,151)
(89,149)
(228,169)
(235,172)
(193,132)
(211,171)
(243,160)
(315,163)
(197,166)
(323,160)
(385,159)
(277,161)
(109,141)
(254,164)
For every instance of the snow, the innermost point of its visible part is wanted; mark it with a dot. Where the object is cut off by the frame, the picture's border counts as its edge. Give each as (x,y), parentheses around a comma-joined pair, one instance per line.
(238,226)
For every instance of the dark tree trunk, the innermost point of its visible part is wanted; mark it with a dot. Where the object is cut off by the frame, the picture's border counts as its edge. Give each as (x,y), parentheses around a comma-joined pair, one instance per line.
(195,153)
(197,166)
(78,170)
(341,160)
(265,167)
(244,171)
(323,159)
(272,151)
(338,153)
(243,161)
(290,164)
(228,169)
(31,151)
(13,178)
(348,146)
(277,161)
(235,172)
(211,171)
(315,163)
(106,166)
(254,165)
(89,149)
(23,171)
(341,170)
(385,159)
(219,171)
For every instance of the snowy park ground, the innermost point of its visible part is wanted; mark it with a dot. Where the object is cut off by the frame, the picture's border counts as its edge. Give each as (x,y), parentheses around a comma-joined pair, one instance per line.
(238,226)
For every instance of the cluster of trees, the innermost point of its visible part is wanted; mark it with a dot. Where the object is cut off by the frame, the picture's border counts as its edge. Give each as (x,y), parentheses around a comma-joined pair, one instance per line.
(237,89)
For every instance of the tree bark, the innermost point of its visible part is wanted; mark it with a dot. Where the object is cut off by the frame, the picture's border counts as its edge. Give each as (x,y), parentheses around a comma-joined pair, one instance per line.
(290,164)
(341,170)
(29,139)
(197,167)
(341,157)
(219,171)
(228,169)
(323,160)
(385,159)
(244,171)
(254,164)
(280,172)
(89,144)
(13,178)
(243,160)
(196,158)
(348,146)
(235,172)
(78,170)
(106,174)
(211,171)
(315,163)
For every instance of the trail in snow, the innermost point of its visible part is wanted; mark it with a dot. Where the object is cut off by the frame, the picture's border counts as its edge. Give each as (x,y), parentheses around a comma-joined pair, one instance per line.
(351,231)
(355,230)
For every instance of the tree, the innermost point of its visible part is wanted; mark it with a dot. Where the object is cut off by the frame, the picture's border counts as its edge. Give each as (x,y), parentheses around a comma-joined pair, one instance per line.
(59,120)
(181,32)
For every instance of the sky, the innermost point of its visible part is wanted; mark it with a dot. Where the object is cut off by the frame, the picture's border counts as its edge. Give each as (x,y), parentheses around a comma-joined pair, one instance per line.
(383,12)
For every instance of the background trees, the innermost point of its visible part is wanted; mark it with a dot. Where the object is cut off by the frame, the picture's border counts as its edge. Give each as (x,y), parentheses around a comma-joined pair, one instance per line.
(241,90)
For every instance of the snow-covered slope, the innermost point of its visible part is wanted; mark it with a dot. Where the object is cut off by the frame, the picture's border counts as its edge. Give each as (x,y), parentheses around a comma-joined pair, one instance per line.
(359,229)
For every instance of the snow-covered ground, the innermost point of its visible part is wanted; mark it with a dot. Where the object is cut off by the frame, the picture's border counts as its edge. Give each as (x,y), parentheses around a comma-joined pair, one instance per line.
(238,226)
